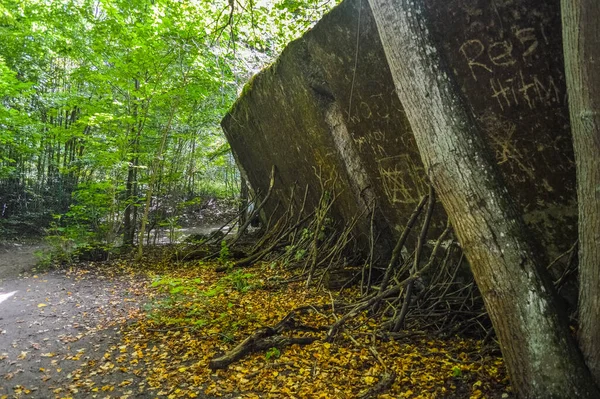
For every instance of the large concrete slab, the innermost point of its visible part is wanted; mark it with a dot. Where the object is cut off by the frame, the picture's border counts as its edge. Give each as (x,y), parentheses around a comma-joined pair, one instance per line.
(328,108)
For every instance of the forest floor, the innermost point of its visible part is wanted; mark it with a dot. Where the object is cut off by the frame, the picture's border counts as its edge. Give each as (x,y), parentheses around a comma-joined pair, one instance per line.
(149,329)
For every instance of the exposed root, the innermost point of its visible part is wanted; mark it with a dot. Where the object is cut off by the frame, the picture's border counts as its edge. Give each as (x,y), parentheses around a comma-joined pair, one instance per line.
(385,382)
(260,341)
(269,337)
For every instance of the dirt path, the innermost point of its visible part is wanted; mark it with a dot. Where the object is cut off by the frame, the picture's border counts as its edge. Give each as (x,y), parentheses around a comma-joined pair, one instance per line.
(53,323)
(17,258)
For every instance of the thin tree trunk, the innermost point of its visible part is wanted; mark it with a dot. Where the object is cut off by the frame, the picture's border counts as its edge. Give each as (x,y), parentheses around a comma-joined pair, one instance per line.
(542,358)
(190,172)
(130,214)
(151,184)
(128,222)
(581,41)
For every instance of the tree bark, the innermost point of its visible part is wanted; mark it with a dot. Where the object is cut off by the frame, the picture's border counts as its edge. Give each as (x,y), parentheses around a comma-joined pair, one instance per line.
(581,43)
(153,175)
(128,219)
(542,358)
(130,215)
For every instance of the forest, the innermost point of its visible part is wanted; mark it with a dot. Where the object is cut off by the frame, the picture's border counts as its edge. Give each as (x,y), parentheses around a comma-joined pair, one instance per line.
(111,110)
(299,199)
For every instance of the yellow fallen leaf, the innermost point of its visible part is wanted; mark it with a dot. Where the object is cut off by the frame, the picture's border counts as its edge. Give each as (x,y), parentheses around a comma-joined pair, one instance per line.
(41,305)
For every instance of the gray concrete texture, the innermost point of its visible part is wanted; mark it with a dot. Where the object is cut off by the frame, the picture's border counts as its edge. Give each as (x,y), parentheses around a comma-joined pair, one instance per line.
(326,110)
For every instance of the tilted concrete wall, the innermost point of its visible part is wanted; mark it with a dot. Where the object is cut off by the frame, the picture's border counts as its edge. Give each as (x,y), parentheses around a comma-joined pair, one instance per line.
(327,106)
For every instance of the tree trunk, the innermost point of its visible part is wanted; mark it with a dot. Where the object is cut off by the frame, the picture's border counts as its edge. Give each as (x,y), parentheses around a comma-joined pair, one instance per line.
(581,41)
(130,215)
(128,219)
(151,184)
(542,358)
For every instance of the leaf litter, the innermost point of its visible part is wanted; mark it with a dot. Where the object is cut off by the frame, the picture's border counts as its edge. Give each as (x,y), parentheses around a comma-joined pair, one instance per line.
(194,314)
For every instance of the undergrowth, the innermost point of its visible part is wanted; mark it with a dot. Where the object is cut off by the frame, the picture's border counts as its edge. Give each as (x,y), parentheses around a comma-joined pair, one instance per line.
(197,314)
(186,301)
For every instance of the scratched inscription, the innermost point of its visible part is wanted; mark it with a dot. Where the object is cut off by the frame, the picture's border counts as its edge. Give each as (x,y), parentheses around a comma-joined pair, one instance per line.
(511,58)
(402,179)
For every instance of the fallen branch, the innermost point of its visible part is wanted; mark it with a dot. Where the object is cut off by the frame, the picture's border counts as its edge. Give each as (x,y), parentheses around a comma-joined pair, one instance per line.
(260,341)
(265,338)
(243,227)
(257,256)
(395,290)
(399,321)
(385,382)
(201,253)
(401,241)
